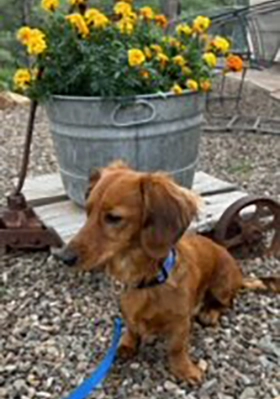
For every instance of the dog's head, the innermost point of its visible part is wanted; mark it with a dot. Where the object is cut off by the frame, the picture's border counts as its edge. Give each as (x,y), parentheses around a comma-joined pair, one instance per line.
(128,213)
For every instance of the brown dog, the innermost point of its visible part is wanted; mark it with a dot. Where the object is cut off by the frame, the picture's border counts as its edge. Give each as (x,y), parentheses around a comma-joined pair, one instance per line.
(134,220)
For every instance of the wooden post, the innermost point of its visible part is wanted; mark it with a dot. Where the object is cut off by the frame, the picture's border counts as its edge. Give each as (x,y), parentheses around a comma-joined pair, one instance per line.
(171,8)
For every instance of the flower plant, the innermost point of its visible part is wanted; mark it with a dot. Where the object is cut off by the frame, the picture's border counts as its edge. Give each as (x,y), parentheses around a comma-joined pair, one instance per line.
(123,51)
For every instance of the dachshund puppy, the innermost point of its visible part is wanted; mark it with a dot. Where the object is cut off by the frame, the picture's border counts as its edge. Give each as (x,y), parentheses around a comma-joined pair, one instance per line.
(135,229)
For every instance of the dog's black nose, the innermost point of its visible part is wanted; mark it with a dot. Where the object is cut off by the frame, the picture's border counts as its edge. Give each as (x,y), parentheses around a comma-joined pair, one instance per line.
(67,255)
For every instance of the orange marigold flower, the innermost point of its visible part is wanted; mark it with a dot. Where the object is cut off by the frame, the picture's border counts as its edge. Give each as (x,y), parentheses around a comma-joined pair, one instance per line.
(205,85)
(145,74)
(161,21)
(147,13)
(234,63)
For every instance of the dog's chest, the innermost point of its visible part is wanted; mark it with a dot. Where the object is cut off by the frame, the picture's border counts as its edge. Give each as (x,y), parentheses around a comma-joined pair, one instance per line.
(149,315)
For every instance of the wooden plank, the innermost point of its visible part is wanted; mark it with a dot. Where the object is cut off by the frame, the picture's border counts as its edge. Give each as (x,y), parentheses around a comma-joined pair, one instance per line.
(47,189)
(205,184)
(214,207)
(44,189)
(67,218)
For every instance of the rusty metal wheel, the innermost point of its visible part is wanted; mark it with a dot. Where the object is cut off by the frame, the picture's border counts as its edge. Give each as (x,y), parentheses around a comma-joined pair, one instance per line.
(250,222)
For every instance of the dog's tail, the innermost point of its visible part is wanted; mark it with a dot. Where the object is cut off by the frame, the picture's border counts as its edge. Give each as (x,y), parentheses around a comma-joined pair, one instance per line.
(264,284)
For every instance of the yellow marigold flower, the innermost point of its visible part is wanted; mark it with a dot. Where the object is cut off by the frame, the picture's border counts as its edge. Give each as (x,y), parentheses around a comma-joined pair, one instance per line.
(210,59)
(136,57)
(50,5)
(101,21)
(234,63)
(148,53)
(163,59)
(184,29)
(37,47)
(221,44)
(96,18)
(179,60)
(126,26)
(34,39)
(147,13)
(77,2)
(79,22)
(206,85)
(192,85)
(132,16)
(24,34)
(157,49)
(122,8)
(22,79)
(91,14)
(201,24)
(186,71)
(177,89)
(161,21)
(36,44)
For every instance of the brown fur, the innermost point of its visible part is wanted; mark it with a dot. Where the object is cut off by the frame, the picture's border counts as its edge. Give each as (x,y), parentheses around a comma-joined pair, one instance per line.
(133,220)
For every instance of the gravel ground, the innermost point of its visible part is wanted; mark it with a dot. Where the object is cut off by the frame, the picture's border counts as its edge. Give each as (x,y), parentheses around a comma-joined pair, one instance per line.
(57,324)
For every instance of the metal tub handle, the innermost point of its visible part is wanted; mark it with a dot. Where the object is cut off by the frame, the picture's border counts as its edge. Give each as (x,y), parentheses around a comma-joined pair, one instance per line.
(134,123)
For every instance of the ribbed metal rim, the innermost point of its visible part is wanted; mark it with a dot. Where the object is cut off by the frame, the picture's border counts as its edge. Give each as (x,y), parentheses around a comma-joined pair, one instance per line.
(160,96)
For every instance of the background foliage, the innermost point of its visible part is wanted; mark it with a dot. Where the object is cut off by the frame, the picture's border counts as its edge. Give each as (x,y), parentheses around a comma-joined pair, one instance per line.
(16,13)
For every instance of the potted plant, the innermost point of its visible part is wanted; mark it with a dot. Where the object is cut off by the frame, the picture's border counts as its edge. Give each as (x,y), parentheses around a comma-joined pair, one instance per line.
(116,84)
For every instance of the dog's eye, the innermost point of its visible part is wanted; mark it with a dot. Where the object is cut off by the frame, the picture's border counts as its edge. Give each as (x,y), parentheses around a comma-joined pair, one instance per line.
(113,219)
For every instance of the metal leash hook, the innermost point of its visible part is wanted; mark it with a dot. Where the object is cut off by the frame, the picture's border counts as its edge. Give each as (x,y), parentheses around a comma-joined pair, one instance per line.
(20,227)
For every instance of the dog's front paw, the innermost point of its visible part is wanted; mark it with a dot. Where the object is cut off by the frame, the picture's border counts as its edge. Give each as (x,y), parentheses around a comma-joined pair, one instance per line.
(190,373)
(126,352)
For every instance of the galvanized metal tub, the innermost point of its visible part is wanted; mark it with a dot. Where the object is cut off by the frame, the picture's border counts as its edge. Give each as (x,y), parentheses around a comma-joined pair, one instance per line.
(150,133)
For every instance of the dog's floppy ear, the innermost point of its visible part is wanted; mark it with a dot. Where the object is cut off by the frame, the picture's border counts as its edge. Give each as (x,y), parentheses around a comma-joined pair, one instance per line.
(95,174)
(168,210)
(94,177)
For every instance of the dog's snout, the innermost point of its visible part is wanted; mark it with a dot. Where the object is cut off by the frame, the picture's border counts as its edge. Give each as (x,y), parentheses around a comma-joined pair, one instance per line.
(67,255)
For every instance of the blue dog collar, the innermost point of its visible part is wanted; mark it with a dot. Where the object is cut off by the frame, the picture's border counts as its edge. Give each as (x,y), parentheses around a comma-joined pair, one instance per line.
(166,269)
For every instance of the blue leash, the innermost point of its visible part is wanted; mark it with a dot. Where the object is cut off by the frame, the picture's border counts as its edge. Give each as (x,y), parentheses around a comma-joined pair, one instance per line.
(103,369)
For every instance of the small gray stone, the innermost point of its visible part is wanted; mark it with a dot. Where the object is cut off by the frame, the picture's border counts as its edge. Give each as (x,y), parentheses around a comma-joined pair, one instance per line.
(170,386)
(135,366)
(248,393)
(20,385)
(3,393)
(223,396)
(209,387)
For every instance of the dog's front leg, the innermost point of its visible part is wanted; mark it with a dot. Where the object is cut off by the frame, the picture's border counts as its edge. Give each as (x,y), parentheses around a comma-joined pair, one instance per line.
(129,344)
(180,363)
